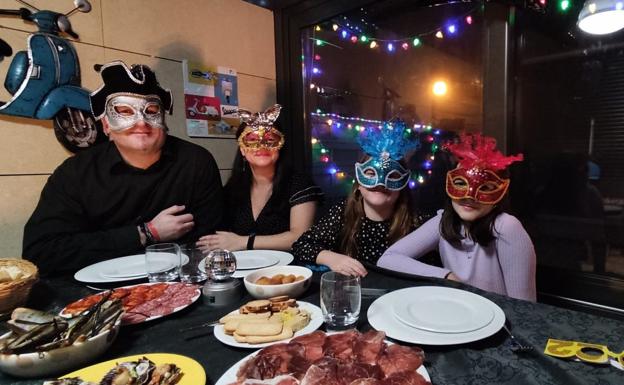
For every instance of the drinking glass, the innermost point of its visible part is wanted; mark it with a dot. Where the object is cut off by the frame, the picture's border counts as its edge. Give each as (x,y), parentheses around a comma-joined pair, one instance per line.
(189,269)
(162,262)
(341,296)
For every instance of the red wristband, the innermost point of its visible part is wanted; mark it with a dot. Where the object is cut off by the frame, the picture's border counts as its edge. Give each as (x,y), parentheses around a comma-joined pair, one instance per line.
(152,230)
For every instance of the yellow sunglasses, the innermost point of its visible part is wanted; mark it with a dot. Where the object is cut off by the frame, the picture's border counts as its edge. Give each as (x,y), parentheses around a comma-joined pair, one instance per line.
(593,353)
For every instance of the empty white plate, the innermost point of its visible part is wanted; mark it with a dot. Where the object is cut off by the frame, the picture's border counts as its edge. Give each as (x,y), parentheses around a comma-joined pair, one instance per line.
(439,310)
(257,261)
(117,269)
(381,317)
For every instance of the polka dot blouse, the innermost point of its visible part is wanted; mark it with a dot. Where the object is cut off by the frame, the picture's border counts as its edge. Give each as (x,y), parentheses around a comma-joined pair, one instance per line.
(371,239)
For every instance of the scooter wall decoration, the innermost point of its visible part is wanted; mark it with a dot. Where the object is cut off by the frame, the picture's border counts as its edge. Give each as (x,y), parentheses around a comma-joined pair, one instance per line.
(44,81)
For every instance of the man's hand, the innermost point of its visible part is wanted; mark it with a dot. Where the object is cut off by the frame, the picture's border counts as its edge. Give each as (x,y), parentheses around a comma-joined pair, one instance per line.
(171,224)
(346,265)
(222,240)
(453,277)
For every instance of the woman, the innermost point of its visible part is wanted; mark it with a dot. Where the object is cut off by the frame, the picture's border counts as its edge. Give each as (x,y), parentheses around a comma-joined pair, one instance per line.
(267,206)
(479,244)
(376,213)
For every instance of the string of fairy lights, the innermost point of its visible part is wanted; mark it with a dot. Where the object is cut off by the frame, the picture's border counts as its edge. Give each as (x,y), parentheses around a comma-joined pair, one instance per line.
(450,28)
(343,31)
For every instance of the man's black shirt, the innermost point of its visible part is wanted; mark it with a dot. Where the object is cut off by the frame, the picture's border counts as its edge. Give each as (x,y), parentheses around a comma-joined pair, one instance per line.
(91,205)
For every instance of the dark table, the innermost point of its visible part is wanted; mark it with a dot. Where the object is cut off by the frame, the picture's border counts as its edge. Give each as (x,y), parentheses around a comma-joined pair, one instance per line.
(489,361)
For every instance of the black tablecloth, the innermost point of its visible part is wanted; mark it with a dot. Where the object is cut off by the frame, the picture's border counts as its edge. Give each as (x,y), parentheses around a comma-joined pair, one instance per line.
(489,361)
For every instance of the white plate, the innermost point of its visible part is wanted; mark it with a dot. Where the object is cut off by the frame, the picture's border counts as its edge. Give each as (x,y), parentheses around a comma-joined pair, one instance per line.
(283,257)
(316,320)
(229,377)
(116,270)
(437,311)
(175,310)
(381,317)
(256,261)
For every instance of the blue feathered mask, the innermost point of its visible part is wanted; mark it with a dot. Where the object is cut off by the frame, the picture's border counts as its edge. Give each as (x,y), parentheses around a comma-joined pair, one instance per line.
(386,146)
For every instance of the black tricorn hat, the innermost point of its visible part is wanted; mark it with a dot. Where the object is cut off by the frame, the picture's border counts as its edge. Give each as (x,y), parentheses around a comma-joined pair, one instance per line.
(136,79)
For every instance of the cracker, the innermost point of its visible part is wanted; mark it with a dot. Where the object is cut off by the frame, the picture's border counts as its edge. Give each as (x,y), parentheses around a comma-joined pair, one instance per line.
(248,329)
(285,334)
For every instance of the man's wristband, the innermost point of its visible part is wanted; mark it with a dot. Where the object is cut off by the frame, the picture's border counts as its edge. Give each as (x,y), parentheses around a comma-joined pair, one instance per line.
(250,241)
(152,230)
(149,237)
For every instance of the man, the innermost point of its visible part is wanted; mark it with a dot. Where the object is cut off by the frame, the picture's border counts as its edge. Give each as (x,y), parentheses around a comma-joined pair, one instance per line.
(141,187)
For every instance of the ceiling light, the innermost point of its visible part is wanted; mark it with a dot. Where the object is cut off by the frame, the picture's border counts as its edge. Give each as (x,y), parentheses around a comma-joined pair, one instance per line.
(600,17)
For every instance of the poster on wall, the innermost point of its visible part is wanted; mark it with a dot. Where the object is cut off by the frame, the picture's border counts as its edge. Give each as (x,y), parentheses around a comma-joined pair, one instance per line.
(210,100)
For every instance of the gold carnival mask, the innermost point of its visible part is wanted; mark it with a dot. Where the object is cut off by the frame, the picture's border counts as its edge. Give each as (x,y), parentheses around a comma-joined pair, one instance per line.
(260,132)
(592,353)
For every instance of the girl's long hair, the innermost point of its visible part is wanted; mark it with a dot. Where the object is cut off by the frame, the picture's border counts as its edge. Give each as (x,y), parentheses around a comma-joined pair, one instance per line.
(401,222)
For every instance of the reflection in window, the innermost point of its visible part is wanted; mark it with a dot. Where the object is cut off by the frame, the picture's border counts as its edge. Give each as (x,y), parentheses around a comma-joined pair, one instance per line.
(569,101)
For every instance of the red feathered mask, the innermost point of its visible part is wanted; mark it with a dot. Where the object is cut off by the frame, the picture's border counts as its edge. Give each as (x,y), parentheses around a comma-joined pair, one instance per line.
(476,173)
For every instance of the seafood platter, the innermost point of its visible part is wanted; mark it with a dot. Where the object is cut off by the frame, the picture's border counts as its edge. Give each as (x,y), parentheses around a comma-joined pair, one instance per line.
(39,343)
(140,371)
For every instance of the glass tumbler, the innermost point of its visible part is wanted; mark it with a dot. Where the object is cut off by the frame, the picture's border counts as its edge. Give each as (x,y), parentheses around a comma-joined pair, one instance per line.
(341,297)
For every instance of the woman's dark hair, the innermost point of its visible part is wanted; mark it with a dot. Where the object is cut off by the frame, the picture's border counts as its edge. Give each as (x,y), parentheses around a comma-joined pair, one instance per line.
(238,185)
(480,230)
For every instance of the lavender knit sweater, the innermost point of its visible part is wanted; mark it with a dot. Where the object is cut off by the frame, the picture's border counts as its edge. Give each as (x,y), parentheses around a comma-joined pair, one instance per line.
(506,266)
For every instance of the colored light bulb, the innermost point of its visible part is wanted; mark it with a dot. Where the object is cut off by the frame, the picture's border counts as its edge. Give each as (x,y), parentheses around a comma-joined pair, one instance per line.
(564,5)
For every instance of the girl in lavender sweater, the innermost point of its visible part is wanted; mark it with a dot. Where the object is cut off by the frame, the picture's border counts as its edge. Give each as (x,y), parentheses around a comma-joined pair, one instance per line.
(479,244)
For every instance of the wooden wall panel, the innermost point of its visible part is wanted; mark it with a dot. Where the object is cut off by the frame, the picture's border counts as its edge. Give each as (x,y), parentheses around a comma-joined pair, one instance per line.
(221,32)
(87,25)
(18,198)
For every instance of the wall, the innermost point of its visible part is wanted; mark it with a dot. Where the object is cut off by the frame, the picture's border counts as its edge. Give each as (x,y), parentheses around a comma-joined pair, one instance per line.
(159,33)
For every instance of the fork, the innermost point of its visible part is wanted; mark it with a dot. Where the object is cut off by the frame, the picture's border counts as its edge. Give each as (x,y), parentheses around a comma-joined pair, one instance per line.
(516,345)
(204,325)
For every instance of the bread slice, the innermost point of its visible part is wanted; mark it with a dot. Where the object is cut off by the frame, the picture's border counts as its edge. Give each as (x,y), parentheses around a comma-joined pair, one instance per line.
(257,306)
(279,298)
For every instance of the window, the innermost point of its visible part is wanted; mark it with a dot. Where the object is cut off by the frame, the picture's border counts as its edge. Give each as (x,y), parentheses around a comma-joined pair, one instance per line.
(392,59)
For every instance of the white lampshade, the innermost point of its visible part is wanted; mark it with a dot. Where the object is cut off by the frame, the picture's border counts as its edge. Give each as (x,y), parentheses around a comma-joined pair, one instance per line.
(600,17)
